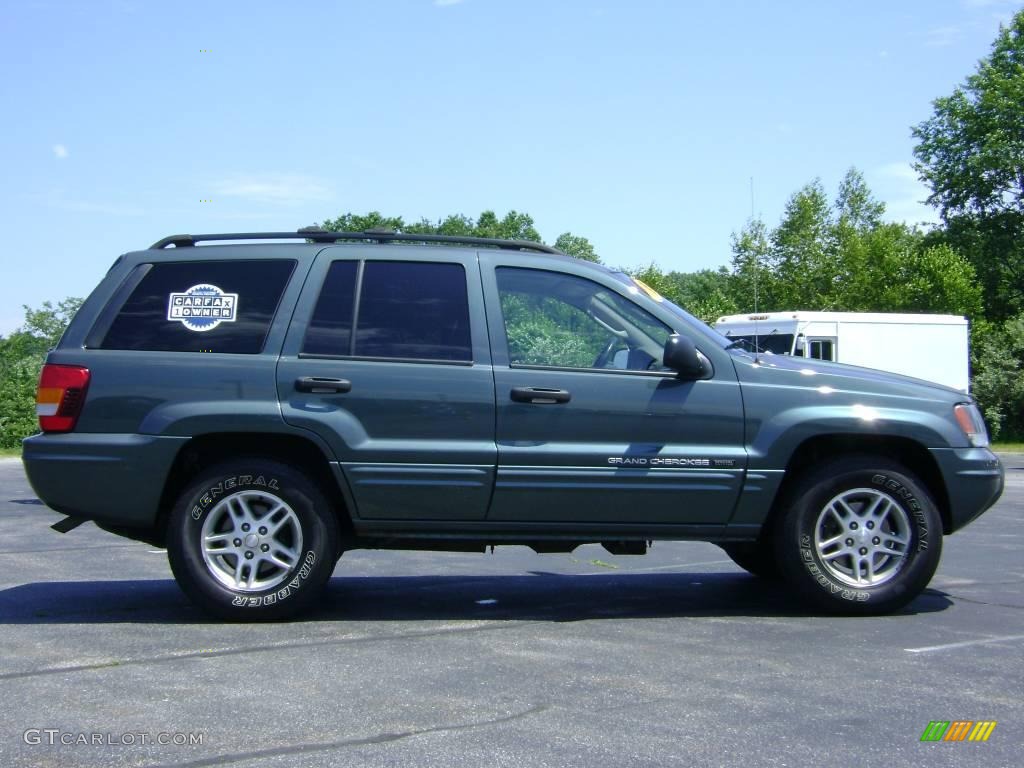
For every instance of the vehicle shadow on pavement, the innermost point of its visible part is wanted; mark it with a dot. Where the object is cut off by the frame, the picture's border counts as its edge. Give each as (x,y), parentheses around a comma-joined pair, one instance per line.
(539,596)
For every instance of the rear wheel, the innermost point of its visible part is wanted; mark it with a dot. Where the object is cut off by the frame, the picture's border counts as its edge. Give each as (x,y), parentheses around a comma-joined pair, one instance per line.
(252,539)
(860,536)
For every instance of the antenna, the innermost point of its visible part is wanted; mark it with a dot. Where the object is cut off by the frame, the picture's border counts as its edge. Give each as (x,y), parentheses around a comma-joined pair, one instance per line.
(757,342)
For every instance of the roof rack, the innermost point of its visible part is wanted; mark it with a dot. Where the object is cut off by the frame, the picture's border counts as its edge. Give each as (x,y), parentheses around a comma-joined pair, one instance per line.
(318,235)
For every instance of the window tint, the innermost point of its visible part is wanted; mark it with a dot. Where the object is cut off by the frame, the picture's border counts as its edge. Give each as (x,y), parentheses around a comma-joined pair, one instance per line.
(563,321)
(413,310)
(201,306)
(330,331)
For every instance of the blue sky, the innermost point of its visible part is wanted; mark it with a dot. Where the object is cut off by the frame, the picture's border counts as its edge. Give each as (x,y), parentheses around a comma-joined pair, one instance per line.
(636,124)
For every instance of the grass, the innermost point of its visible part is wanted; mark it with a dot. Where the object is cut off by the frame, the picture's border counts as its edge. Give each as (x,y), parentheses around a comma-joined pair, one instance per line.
(10,453)
(1008,447)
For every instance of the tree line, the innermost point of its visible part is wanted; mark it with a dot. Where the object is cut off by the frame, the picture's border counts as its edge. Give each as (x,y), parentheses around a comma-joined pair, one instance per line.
(825,253)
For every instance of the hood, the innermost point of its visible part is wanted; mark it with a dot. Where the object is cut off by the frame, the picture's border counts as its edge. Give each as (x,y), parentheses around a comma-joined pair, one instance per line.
(853,378)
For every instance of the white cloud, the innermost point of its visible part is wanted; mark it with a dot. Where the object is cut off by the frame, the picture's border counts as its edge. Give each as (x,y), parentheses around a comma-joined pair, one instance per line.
(897,185)
(274,189)
(989,3)
(942,37)
(61,201)
(60,151)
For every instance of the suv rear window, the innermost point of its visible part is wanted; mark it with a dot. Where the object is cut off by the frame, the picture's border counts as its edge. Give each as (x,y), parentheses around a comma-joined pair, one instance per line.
(408,310)
(201,306)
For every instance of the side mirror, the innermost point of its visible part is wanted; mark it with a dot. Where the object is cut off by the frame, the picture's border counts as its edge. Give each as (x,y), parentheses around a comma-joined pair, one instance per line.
(682,357)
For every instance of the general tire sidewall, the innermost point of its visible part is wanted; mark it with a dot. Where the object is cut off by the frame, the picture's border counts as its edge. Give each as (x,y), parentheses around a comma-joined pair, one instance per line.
(315,563)
(801,562)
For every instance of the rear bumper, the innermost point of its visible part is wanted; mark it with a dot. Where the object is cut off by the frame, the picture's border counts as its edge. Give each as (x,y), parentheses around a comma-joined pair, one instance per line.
(974,481)
(112,479)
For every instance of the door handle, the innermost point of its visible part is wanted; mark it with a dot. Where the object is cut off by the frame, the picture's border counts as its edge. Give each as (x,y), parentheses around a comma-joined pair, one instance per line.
(540,395)
(320,385)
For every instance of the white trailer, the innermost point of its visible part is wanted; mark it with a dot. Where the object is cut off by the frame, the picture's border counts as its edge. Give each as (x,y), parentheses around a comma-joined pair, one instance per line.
(930,347)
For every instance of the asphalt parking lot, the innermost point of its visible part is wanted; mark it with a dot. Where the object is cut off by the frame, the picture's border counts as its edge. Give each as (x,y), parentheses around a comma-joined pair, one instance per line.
(510,659)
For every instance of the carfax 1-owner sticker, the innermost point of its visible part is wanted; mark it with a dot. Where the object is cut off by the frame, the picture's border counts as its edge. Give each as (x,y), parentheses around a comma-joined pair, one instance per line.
(202,307)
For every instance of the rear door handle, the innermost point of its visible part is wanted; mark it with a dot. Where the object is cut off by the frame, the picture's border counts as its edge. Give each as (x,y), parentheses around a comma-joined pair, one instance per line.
(320,385)
(540,395)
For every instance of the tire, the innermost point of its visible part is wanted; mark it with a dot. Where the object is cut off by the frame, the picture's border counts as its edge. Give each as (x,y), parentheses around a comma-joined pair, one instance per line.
(887,514)
(756,558)
(252,540)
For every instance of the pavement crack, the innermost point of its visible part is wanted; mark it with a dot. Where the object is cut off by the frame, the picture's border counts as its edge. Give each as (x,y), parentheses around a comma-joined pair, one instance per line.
(984,602)
(490,626)
(380,738)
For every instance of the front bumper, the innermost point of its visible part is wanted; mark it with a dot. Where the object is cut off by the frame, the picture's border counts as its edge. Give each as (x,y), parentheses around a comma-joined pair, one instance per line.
(974,482)
(112,479)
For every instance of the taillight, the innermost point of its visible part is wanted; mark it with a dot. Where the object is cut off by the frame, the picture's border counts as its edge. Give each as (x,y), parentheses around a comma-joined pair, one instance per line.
(60,396)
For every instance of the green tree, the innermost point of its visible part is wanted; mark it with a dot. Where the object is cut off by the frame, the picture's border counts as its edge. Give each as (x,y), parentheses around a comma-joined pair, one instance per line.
(844,257)
(970,152)
(512,226)
(21,358)
(577,246)
(801,253)
(754,285)
(997,359)
(704,294)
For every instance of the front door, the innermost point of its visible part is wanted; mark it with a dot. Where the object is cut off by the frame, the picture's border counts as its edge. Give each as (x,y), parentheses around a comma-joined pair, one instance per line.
(388,362)
(590,427)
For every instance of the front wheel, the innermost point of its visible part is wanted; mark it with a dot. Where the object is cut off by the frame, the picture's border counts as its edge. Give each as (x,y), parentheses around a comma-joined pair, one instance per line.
(860,536)
(252,539)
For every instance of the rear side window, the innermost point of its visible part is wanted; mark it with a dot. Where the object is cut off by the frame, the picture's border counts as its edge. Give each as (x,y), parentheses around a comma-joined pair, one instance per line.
(407,310)
(201,306)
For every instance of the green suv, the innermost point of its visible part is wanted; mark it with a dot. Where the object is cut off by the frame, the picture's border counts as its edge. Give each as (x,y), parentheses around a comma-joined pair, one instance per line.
(261,407)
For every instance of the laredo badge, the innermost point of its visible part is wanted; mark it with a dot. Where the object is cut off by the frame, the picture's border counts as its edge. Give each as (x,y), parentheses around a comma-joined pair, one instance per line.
(202,307)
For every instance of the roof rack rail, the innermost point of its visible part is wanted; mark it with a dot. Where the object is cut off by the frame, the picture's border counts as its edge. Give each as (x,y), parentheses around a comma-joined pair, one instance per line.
(318,235)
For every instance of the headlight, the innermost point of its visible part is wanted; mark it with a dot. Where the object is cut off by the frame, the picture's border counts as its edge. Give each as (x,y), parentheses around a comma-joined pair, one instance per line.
(969,418)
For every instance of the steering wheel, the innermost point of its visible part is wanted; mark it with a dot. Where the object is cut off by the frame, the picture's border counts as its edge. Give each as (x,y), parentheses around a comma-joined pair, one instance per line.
(601,361)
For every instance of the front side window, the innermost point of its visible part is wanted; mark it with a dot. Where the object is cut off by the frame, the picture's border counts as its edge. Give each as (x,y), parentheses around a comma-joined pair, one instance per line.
(407,310)
(201,306)
(563,321)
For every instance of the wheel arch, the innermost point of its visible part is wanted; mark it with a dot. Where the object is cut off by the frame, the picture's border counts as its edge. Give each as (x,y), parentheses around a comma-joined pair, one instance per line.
(302,453)
(909,453)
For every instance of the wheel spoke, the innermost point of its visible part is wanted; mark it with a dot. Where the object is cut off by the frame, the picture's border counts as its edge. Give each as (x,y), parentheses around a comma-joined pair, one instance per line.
(903,539)
(841,552)
(864,516)
(835,514)
(268,522)
(235,510)
(884,550)
(285,557)
(872,512)
(829,542)
(274,527)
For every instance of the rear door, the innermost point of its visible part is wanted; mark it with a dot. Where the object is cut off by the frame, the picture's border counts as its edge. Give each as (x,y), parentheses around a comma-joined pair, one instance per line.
(387,360)
(591,428)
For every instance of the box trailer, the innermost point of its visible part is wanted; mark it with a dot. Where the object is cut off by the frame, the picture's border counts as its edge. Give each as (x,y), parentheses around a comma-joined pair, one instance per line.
(930,347)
